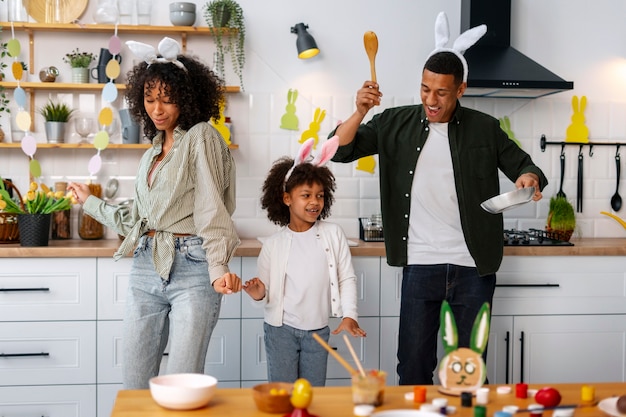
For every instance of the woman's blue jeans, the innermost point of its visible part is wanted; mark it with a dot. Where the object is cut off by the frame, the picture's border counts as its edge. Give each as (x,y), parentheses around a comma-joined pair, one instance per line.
(293,353)
(424,288)
(184,309)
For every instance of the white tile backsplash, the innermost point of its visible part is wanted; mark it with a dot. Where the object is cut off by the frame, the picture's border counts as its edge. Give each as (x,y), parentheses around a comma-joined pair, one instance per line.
(256,126)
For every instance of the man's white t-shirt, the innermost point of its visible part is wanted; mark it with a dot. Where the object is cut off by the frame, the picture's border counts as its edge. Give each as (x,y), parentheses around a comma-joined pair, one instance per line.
(435,234)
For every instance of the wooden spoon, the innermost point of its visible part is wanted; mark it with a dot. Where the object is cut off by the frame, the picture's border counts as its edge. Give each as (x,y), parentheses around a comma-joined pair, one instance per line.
(371,47)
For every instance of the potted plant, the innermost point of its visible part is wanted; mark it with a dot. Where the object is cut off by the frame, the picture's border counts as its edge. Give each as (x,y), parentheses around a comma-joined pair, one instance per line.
(79,61)
(34,211)
(56,115)
(220,14)
(561,218)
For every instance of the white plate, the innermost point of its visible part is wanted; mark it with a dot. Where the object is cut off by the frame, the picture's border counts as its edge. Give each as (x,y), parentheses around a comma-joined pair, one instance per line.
(507,201)
(405,413)
(609,406)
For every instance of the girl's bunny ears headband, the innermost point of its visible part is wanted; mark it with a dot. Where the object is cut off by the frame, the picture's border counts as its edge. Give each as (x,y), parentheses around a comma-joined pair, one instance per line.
(169,50)
(304,154)
(461,44)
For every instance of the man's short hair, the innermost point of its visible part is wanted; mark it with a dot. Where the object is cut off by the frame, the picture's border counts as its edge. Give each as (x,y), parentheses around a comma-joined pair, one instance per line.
(446,63)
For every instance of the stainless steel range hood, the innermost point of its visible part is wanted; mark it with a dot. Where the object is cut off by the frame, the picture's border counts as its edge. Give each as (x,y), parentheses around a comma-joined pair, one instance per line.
(495,68)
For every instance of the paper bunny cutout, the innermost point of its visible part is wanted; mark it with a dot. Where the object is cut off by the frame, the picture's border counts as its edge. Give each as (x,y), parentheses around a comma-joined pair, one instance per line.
(460,45)
(314,127)
(289,120)
(463,369)
(168,48)
(577,131)
(329,148)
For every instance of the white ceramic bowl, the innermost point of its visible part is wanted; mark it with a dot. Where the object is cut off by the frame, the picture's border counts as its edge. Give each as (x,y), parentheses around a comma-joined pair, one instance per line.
(509,200)
(183,391)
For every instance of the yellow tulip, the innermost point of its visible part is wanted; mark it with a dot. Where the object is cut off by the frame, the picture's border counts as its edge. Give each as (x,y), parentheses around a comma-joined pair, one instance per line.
(3,203)
(30,195)
(45,188)
(33,186)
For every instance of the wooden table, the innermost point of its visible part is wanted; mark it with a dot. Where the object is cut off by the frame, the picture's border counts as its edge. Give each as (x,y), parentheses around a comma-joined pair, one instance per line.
(337,401)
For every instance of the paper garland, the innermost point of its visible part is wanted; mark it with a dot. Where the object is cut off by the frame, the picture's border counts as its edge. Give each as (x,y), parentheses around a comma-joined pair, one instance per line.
(105,117)
(109,95)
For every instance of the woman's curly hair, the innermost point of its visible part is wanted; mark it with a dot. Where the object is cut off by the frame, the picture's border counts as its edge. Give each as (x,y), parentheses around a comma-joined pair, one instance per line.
(198,92)
(305,173)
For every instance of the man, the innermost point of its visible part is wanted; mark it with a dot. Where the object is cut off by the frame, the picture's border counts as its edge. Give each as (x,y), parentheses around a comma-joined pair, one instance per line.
(438,161)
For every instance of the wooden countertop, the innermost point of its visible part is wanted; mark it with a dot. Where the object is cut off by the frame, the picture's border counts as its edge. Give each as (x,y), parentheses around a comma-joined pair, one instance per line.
(78,248)
(337,401)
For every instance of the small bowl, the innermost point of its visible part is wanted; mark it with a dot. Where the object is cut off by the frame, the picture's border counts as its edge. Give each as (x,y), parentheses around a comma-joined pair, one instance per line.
(181,6)
(182,13)
(183,18)
(268,401)
(183,391)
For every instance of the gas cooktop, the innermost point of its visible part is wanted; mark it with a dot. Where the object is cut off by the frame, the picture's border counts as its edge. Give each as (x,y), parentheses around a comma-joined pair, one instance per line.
(532,237)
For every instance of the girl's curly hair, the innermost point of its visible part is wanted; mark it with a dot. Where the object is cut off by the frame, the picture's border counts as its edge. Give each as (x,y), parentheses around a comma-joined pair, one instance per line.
(305,173)
(198,92)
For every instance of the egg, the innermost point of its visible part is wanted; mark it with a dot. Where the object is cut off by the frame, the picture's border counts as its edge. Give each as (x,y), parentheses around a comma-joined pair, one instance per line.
(302,393)
(621,404)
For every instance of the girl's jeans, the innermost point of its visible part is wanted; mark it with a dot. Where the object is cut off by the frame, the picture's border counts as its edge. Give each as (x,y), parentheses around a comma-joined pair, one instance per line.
(184,309)
(293,353)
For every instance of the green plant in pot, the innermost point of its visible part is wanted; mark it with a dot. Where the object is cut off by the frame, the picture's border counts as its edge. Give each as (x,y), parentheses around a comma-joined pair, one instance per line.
(56,116)
(561,218)
(220,14)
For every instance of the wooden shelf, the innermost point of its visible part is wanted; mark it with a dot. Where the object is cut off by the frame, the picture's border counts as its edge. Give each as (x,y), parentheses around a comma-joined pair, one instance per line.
(76,87)
(182,31)
(87,146)
(99,28)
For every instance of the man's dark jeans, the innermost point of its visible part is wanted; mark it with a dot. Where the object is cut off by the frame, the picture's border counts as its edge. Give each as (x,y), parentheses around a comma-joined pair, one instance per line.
(424,287)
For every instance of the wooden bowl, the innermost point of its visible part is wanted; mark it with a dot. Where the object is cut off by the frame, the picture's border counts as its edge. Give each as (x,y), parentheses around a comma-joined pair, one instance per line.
(268,401)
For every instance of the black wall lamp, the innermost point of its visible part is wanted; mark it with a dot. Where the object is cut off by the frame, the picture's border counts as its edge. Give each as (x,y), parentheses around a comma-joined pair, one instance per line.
(307,48)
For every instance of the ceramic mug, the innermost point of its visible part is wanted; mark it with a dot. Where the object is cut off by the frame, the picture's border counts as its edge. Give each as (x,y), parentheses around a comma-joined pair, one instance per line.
(100,73)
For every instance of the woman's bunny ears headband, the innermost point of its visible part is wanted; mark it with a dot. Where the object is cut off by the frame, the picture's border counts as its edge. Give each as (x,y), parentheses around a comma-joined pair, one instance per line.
(461,44)
(304,154)
(169,50)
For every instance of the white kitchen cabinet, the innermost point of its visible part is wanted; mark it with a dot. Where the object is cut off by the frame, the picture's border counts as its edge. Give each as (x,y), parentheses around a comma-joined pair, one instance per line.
(569,311)
(49,401)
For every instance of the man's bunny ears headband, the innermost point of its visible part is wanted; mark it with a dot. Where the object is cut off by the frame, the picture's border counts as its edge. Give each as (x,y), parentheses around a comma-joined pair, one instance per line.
(169,50)
(304,154)
(461,44)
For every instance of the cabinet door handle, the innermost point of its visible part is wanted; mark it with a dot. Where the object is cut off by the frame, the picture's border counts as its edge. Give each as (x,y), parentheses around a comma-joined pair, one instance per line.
(23,289)
(521,361)
(21,355)
(507,339)
(528,285)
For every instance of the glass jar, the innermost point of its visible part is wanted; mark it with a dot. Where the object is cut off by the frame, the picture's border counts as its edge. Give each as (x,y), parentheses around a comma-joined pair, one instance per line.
(88,227)
(106,13)
(61,219)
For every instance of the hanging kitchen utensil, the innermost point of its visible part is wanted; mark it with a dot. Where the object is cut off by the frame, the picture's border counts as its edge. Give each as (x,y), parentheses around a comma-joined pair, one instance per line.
(616,200)
(579,185)
(561,193)
(371,47)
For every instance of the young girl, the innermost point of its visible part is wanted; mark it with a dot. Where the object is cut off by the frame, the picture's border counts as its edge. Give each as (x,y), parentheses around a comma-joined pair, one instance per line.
(305,269)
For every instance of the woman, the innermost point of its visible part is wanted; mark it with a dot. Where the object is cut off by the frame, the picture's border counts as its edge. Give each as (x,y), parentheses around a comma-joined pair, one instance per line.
(180,224)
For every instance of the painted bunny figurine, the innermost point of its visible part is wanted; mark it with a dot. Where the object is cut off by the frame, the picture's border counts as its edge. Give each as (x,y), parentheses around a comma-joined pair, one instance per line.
(289,120)
(577,131)
(314,127)
(463,369)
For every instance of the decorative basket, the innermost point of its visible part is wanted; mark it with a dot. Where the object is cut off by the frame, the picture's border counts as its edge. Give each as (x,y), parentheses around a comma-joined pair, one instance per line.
(9,231)
(564,235)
